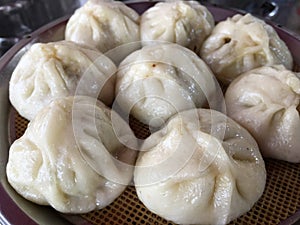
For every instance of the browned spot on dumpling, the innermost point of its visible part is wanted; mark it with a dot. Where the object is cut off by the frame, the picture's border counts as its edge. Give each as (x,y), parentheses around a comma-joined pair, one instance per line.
(227,40)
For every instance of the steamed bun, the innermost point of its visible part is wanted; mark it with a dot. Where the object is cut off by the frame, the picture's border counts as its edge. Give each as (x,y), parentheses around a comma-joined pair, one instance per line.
(59,69)
(70,158)
(242,43)
(186,23)
(202,168)
(158,81)
(103,24)
(266,102)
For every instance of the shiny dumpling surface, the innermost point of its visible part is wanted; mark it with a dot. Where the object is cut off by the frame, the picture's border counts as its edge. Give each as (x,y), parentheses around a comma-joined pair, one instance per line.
(202,168)
(186,23)
(103,24)
(67,157)
(59,69)
(157,81)
(242,43)
(266,102)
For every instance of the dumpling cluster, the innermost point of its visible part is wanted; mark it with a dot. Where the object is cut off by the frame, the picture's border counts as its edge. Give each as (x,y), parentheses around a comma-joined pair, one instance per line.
(202,168)
(104,25)
(107,24)
(266,101)
(242,43)
(59,69)
(186,23)
(70,158)
(160,80)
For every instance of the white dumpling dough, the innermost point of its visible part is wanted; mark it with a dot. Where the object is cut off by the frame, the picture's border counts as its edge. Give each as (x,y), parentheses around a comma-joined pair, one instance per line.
(242,43)
(59,69)
(67,157)
(103,24)
(203,168)
(186,23)
(160,80)
(266,102)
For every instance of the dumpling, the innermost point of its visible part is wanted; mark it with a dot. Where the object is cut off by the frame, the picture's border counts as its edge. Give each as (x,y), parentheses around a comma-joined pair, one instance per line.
(158,81)
(242,43)
(70,157)
(266,101)
(202,168)
(103,24)
(59,69)
(186,23)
